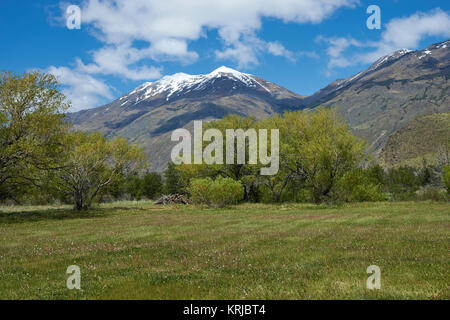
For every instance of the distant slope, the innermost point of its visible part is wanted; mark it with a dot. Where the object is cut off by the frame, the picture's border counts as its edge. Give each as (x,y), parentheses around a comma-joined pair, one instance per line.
(419,140)
(391,93)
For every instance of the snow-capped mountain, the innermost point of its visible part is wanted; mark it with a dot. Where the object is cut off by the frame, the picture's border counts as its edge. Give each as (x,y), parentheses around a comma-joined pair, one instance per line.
(154,109)
(181,84)
(342,83)
(389,94)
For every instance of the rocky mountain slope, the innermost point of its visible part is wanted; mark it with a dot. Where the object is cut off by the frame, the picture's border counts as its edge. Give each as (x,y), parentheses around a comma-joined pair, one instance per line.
(391,93)
(375,102)
(419,140)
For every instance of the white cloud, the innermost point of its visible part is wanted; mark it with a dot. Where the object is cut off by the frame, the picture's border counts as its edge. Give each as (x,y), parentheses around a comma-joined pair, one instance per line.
(399,33)
(243,54)
(116,60)
(277,49)
(246,51)
(408,32)
(168,26)
(83,90)
(336,49)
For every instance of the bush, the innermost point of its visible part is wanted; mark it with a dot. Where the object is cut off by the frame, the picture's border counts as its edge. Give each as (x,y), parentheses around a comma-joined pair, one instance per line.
(432,193)
(376,174)
(133,187)
(356,186)
(198,190)
(152,185)
(172,181)
(216,193)
(403,183)
(446,177)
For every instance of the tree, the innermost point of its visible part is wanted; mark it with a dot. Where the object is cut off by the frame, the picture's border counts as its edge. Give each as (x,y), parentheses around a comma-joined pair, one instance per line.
(152,185)
(403,182)
(245,172)
(90,163)
(133,187)
(317,149)
(172,183)
(356,185)
(31,128)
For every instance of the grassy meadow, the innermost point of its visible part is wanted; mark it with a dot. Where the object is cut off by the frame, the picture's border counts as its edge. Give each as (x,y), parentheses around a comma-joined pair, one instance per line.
(139,250)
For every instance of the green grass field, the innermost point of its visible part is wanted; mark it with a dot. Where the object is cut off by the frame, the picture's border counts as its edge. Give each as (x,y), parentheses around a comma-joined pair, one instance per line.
(144,251)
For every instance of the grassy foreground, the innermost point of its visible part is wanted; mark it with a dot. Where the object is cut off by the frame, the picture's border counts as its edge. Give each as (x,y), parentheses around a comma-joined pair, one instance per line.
(144,251)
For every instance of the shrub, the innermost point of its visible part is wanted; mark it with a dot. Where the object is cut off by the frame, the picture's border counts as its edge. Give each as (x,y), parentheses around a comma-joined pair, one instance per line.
(152,185)
(403,183)
(133,187)
(220,192)
(356,186)
(432,193)
(172,181)
(446,177)
(198,190)
(376,174)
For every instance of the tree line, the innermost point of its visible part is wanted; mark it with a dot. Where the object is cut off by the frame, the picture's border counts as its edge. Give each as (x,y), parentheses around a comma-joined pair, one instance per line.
(320,161)
(43,160)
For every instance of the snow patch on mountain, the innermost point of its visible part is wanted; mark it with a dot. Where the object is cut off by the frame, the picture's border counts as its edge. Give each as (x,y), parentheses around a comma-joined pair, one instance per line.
(178,83)
(341,83)
(395,55)
(426,52)
(443,45)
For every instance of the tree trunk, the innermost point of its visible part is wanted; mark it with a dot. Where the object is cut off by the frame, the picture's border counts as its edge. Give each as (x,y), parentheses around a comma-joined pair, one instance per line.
(78,198)
(276,197)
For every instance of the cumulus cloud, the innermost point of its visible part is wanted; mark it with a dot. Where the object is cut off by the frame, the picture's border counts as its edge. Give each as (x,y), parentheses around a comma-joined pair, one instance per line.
(246,51)
(399,33)
(336,48)
(166,28)
(277,49)
(408,32)
(81,89)
(116,60)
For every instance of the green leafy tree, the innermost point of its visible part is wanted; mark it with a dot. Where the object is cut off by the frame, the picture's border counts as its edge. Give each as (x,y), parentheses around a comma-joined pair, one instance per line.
(31,128)
(376,174)
(133,187)
(317,149)
(403,182)
(245,172)
(172,182)
(355,186)
(90,163)
(152,185)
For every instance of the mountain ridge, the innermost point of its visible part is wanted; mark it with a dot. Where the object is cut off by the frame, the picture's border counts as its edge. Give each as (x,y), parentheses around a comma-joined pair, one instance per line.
(388,95)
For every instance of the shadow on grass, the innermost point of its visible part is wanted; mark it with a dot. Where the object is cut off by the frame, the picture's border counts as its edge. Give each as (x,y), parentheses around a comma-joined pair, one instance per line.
(51,214)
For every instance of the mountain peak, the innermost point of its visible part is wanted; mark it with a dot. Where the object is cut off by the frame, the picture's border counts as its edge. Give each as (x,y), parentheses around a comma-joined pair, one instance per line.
(224,69)
(402,51)
(177,84)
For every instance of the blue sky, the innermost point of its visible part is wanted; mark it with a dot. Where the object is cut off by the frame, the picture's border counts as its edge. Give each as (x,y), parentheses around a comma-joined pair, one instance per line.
(302,45)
